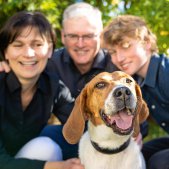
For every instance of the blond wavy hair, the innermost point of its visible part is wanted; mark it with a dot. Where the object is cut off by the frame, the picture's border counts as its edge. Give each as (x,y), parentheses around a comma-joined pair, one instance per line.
(128,26)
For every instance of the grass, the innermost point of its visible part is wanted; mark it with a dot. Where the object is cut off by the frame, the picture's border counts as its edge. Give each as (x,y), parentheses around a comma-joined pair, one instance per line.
(154,131)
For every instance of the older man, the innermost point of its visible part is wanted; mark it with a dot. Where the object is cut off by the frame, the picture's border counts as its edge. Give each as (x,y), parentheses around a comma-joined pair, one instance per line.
(81,58)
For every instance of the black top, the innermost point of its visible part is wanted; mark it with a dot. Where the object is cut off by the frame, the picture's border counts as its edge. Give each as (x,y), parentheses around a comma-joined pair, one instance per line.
(17,127)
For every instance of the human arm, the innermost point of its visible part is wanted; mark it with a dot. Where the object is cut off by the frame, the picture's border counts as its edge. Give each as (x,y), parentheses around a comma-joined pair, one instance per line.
(9,162)
(64,103)
(4,66)
(73,163)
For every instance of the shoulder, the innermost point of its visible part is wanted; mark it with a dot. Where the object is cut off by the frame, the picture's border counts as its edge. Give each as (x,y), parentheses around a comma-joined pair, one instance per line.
(110,67)
(159,63)
(2,77)
(162,74)
(58,52)
(56,60)
(163,65)
(2,86)
(49,76)
(164,59)
(160,58)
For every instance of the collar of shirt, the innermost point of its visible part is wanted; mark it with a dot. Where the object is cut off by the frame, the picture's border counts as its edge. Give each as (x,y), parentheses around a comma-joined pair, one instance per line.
(13,83)
(99,62)
(152,72)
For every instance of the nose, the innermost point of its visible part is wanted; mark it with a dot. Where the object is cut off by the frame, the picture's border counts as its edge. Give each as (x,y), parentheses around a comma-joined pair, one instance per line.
(80,42)
(120,56)
(122,93)
(29,52)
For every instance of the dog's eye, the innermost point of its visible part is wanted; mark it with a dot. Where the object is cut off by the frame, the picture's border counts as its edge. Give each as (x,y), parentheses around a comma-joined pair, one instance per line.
(100,85)
(128,80)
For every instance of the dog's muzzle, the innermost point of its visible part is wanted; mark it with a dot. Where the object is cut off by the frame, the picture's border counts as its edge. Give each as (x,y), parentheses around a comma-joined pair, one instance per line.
(121,121)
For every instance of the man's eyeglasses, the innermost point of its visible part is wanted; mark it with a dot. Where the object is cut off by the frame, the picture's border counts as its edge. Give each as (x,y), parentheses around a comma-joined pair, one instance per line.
(85,38)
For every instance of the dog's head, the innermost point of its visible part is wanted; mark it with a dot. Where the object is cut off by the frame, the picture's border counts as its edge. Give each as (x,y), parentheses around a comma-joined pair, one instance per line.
(113,99)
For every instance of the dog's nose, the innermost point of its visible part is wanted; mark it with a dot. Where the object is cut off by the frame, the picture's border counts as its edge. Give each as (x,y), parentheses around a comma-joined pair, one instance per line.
(122,93)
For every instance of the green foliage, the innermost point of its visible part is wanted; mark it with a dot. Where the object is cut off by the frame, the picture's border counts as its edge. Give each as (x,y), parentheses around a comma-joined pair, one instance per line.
(154,131)
(154,12)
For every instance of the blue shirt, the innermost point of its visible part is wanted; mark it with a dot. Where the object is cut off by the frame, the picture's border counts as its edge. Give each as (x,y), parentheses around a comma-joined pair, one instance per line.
(75,81)
(72,77)
(155,89)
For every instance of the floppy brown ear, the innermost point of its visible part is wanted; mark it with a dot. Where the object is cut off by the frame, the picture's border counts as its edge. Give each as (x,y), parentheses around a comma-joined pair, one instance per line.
(74,127)
(142,111)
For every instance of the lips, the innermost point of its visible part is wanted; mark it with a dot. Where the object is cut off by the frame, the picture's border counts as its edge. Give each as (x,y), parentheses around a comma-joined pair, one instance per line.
(30,63)
(81,52)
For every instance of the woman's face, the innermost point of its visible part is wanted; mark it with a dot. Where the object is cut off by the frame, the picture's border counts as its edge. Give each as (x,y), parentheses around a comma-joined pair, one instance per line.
(28,54)
(131,56)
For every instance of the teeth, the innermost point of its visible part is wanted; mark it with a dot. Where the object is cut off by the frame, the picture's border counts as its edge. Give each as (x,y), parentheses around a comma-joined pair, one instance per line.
(128,112)
(124,66)
(109,117)
(81,52)
(28,63)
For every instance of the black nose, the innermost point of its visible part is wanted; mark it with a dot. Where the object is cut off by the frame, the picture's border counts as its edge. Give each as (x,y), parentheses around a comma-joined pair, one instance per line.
(122,93)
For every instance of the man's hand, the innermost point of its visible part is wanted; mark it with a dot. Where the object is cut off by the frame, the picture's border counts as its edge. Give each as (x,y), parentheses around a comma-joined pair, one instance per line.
(139,140)
(4,66)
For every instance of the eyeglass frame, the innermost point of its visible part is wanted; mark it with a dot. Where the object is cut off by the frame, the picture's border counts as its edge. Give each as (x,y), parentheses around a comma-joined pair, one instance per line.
(85,38)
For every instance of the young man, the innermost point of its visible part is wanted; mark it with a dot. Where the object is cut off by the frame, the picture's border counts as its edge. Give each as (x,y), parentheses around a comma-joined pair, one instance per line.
(134,50)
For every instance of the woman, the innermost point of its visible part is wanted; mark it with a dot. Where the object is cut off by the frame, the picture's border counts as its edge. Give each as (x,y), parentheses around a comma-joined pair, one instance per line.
(28,94)
(134,50)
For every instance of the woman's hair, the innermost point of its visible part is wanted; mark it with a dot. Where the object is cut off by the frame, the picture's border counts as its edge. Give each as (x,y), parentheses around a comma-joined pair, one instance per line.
(128,26)
(15,25)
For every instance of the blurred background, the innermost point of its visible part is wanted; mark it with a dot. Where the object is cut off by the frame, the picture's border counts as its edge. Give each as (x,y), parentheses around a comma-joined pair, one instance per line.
(155,12)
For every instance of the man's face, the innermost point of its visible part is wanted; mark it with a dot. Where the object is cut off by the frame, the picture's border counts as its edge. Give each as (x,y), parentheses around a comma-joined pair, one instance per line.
(81,38)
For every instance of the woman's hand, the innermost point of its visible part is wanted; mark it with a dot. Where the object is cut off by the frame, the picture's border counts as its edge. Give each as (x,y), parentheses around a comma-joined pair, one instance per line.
(73,163)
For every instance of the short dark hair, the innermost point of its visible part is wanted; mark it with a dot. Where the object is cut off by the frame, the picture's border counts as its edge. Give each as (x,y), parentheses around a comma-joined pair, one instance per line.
(15,24)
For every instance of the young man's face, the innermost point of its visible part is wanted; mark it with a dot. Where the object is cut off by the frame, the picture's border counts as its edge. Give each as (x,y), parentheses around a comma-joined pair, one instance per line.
(131,56)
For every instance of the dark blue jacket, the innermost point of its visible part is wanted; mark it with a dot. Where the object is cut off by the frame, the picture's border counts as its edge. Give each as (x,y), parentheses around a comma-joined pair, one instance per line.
(155,89)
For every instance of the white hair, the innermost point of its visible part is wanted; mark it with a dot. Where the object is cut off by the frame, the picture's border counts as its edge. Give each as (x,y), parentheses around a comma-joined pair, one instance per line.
(82,9)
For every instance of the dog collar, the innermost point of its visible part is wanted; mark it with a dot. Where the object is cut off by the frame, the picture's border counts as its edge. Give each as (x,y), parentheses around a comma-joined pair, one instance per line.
(110,151)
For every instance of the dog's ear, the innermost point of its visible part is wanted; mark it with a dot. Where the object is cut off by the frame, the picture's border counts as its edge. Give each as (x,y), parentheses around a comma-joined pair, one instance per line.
(142,111)
(74,127)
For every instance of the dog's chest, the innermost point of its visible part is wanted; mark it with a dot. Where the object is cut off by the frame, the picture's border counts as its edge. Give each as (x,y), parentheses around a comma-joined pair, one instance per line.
(92,159)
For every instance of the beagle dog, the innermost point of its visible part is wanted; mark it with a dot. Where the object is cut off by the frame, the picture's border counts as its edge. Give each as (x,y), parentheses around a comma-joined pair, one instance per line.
(113,105)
